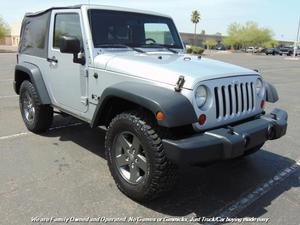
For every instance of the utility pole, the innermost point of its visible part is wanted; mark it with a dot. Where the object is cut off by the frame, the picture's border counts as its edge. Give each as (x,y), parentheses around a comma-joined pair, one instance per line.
(297,39)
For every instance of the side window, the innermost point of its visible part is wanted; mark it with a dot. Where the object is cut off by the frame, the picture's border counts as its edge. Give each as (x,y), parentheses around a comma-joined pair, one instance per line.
(34,35)
(67,24)
(159,32)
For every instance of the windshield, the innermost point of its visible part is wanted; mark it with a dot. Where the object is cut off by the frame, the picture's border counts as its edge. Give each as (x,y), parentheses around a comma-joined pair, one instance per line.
(110,28)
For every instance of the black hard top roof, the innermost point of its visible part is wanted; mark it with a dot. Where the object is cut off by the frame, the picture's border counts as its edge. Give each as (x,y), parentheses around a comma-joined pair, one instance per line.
(106,7)
(30,14)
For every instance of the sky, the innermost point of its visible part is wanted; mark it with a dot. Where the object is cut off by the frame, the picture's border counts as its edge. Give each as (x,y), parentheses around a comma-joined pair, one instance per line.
(280,16)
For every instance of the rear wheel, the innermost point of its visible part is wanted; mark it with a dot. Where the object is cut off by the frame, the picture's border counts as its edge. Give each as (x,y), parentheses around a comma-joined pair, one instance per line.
(136,158)
(37,117)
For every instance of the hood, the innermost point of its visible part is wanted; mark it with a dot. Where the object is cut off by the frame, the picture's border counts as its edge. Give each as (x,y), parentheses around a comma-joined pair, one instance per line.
(166,68)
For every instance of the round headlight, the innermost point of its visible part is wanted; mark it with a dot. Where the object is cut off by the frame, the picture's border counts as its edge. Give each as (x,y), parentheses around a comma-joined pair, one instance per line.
(259,86)
(201,95)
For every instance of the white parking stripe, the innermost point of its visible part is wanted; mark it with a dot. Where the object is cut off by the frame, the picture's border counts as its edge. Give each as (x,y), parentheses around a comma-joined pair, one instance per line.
(8,96)
(13,136)
(27,133)
(249,198)
(6,80)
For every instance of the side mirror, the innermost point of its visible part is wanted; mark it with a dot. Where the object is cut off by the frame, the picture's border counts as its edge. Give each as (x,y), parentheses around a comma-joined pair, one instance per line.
(71,45)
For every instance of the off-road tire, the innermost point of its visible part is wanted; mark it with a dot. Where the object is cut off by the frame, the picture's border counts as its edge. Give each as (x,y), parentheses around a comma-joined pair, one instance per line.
(43,115)
(161,175)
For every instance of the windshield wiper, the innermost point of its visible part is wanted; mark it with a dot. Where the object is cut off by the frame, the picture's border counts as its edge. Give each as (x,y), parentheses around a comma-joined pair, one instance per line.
(161,46)
(120,46)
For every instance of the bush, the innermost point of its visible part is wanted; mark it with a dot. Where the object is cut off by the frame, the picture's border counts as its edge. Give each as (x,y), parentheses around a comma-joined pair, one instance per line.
(195,50)
(189,50)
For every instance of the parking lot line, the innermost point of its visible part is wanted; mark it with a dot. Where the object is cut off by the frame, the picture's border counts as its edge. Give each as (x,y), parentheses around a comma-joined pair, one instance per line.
(14,135)
(8,96)
(247,199)
(27,133)
(6,80)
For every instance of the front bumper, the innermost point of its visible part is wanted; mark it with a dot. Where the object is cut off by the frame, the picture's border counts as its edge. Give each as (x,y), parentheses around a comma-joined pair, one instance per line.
(227,142)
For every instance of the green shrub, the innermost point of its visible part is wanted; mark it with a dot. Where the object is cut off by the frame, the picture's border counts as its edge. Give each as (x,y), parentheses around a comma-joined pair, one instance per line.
(195,50)
(189,50)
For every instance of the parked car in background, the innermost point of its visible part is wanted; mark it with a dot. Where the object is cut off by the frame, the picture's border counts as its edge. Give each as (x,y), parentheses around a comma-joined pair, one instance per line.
(251,49)
(273,51)
(297,51)
(220,47)
(286,50)
(291,51)
(261,50)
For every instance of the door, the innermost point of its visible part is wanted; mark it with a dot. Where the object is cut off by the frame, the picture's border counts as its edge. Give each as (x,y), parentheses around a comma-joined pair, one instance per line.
(68,80)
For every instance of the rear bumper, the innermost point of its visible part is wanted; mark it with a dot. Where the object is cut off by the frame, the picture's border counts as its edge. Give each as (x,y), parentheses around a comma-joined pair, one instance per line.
(228,142)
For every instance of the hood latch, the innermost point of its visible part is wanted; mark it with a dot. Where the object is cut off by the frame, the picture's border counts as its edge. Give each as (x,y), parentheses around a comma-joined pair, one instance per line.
(179,83)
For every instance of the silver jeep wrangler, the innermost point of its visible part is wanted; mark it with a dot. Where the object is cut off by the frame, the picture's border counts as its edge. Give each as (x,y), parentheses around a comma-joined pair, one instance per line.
(127,70)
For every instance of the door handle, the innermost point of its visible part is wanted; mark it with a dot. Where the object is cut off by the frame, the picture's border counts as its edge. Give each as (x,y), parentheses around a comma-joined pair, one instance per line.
(53,59)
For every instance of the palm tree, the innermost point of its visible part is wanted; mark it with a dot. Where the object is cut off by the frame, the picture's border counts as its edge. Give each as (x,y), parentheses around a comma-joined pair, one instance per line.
(195,19)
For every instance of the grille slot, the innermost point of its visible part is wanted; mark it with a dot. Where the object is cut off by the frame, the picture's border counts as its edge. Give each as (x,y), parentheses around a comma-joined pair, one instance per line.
(234,99)
(217,102)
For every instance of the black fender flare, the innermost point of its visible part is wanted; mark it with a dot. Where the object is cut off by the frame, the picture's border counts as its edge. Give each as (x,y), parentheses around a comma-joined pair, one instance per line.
(271,93)
(36,79)
(177,109)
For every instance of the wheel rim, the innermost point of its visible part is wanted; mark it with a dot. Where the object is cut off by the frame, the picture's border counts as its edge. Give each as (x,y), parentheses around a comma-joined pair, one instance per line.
(28,107)
(130,158)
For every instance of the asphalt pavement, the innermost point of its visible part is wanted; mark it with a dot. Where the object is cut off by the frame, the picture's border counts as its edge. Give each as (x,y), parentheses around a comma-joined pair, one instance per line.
(63,173)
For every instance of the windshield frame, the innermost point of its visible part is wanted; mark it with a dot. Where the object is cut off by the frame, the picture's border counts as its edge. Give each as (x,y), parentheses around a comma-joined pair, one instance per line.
(169,21)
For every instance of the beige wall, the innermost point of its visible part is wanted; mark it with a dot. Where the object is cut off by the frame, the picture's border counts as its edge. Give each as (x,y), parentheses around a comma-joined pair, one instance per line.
(14,37)
(10,40)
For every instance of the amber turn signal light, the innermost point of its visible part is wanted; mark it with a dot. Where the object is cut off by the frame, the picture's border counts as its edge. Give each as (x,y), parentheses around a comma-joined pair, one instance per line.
(160,116)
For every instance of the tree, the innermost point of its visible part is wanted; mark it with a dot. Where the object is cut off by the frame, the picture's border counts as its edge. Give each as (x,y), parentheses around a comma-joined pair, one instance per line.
(195,20)
(210,43)
(229,42)
(4,28)
(250,34)
(270,44)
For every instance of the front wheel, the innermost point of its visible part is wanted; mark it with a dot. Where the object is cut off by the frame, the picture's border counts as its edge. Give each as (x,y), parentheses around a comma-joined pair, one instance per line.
(37,117)
(136,158)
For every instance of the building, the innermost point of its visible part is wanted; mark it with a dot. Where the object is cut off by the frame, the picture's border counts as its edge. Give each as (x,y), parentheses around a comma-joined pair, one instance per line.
(13,38)
(188,38)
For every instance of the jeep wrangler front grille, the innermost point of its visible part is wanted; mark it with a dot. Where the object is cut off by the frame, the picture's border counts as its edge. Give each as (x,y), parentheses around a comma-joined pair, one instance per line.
(234,99)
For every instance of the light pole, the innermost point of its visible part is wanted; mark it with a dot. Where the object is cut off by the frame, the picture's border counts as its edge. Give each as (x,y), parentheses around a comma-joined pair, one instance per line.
(297,39)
